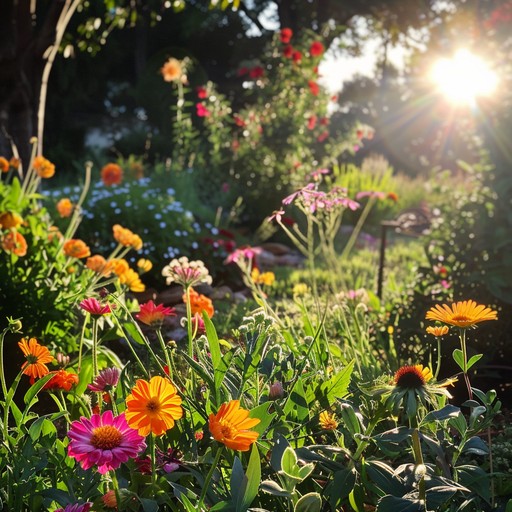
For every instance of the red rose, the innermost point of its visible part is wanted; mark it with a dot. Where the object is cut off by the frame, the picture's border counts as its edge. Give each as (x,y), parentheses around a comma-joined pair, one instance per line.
(316,49)
(314,87)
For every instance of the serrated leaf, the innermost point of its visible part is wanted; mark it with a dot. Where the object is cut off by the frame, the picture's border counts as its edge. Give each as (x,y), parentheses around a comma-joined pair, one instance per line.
(337,386)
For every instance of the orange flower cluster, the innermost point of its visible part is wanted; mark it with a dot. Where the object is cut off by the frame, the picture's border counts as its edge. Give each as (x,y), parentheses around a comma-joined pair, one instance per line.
(111,174)
(15,243)
(199,303)
(75,248)
(126,237)
(43,167)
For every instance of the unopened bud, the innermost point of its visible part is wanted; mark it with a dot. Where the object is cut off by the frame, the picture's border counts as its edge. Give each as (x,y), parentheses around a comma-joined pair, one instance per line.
(15,324)
(276,391)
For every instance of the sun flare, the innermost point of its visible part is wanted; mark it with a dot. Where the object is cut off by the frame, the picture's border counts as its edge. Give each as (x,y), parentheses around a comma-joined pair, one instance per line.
(464,77)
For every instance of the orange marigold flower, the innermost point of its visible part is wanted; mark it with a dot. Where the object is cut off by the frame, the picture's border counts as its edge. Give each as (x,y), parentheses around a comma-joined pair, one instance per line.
(438,331)
(199,303)
(118,265)
(4,164)
(230,426)
(412,377)
(327,421)
(98,264)
(131,279)
(65,207)
(15,242)
(171,70)
(111,174)
(37,357)
(461,314)
(126,237)
(61,380)
(75,248)
(43,167)
(14,162)
(153,406)
(10,220)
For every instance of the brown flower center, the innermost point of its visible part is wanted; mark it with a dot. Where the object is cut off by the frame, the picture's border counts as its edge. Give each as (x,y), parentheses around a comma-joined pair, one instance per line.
(409,377)
(461,319)
(227,431)
(153,406)
(106,437)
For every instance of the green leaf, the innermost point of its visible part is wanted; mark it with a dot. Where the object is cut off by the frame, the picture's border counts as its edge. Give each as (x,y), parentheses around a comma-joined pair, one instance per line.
(213,343)
(134,333)
(337,386)
(393,504)
(458,358)
(350,420)
(311,502)
(341,486)
(261,412)
(289,462)
(297,402)
(356,498)
(474,360)
(30,397)
(448,411)
(149,505)
(244,487)
(274,488)
(475,445)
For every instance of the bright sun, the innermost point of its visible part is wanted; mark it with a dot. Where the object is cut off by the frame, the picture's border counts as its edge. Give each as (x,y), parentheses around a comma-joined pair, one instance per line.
(464,77)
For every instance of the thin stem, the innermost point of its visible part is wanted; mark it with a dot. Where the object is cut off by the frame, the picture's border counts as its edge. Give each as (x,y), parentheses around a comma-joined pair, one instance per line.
(152,450)
(358,227)
(465,362)
(165,351)
(420,467)
(438,366)
(94,348)
(209,476)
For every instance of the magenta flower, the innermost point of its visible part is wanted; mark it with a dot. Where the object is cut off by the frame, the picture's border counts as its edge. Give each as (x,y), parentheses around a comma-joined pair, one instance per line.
(106,380)
(202,111)
(248,253)
(153,315)
(277,215)
(94,307)
(85,507)
(104,441)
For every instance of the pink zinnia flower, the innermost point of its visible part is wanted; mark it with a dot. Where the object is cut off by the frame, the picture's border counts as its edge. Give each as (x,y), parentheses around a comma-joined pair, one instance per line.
(153,315)
(85,507)
(104,441)
(106,380)
(94,307)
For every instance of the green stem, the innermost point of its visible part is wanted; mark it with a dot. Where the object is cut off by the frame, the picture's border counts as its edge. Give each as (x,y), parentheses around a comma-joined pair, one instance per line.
(438,366)
(2,374)
(206,484)
(152,451)
(418,457)
(189,323)
(165,351)
(462,337)
(358,227)
(94,348)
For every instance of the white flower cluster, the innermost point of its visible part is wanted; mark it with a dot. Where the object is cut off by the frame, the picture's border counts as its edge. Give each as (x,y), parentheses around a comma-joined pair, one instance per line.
(185,272)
